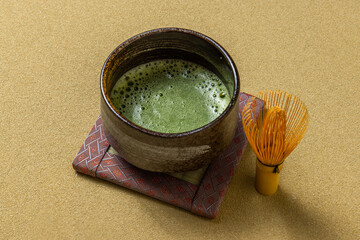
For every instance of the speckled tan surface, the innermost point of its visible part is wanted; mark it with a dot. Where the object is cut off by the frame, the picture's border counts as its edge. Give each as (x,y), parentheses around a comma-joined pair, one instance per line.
(51,53)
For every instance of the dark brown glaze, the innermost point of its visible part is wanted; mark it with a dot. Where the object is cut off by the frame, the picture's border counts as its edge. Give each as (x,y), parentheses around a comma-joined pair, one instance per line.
(164,152)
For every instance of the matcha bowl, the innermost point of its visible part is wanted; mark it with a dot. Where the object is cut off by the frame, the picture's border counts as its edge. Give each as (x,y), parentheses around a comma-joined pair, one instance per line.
(179,57)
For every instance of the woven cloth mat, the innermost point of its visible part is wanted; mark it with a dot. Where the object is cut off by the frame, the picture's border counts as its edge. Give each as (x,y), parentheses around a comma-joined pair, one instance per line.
(200,192)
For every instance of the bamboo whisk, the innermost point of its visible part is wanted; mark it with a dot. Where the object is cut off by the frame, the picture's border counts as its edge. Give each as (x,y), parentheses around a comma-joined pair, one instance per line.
(273,133)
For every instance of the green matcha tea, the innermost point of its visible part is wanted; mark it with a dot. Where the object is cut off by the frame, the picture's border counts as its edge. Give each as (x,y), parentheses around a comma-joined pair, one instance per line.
(170,96)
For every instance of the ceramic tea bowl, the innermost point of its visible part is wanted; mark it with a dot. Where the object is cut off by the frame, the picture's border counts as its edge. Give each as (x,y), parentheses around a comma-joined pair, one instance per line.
(169,152)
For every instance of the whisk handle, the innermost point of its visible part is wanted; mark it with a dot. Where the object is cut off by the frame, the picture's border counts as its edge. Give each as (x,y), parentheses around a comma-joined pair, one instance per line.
(267,178)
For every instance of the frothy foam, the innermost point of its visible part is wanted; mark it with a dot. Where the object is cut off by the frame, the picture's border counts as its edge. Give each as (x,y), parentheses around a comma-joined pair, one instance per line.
(170,95)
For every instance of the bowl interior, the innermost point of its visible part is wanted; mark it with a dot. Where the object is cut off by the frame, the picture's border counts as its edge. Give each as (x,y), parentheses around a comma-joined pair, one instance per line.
(169,43)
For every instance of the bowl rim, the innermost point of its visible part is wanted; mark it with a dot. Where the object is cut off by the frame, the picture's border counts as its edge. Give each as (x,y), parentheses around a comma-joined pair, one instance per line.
(216,121)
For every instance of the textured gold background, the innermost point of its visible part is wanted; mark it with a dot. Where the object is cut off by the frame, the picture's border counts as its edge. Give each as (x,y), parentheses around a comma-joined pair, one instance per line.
(51,54)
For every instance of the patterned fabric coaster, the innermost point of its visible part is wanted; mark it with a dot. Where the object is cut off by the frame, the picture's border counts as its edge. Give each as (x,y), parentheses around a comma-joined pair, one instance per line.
(200,191)
(193,177)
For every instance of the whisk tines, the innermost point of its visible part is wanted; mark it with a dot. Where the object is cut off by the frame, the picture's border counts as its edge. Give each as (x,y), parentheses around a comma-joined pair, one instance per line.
(275,130)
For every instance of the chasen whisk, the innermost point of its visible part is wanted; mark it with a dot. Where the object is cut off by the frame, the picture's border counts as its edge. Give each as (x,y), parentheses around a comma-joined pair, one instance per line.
(273,132)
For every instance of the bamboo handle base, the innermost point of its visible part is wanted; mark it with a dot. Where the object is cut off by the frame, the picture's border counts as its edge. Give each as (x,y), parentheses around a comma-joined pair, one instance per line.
(267,180)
